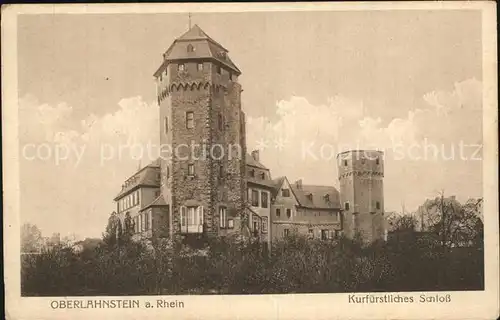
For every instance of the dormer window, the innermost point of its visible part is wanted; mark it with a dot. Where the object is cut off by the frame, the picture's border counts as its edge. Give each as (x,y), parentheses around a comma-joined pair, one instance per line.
(327,197)
(262,175)
(310,196)
(345,163)
(181,67)
(219,70)
(377,161)
(252,173)
(190,48)
(200,66)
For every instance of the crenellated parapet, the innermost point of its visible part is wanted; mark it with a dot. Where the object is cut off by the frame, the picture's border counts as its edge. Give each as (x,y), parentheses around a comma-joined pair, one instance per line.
(361,174)
(183,86)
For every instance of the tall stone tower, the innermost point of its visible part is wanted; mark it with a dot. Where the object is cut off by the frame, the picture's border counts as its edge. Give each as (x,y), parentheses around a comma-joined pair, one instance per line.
(202,136)
(361,174)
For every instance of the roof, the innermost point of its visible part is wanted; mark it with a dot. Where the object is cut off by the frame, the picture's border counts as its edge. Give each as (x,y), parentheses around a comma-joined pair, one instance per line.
(158,202)
(250,161)
(204,48)
(146,176)
(318,199)
(266,183)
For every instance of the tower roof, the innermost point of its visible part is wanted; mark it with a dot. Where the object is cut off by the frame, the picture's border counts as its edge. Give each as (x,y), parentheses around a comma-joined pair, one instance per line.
(196,44)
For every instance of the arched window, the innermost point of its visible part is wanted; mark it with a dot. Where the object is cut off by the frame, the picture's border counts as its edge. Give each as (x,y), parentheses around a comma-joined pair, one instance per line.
(190,48)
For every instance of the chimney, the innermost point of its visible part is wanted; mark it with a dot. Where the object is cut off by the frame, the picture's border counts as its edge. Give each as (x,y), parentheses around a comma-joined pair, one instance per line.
(255,155)
(298,183)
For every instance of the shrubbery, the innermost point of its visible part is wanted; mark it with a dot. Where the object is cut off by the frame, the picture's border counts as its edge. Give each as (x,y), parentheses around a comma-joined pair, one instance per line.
(226,266)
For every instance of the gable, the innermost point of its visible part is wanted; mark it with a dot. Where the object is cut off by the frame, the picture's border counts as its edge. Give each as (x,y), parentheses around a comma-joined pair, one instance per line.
(285,185)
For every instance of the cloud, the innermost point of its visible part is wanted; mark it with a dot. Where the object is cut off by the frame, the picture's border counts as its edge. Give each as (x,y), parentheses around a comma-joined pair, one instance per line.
(72,168)
(422,149)
(77,191)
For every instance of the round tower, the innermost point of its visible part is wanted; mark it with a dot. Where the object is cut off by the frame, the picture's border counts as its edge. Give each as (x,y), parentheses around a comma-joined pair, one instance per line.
(361,174)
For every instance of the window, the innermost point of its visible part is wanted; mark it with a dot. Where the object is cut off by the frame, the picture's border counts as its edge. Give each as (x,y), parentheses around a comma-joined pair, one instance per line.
(200,66)
(278,212)
(183,216)
(192,215)
(345,163)
(346,206)
(231,76)
(252,173)
(263,199)
(363,161)
(146,221)
(190,48)
(324,234)
(286,232)
(377,161)
(230,223)
(190,169)
(150,218)
(288,212)
(220,122)
(255,198)
(189,120)
(222,217)
(157,194)
(285,192)
(166,125)
(310,234)
(221,171)
(377,205)
(219,70)
(262,175)
(264,224)
(181,67)
(201,214)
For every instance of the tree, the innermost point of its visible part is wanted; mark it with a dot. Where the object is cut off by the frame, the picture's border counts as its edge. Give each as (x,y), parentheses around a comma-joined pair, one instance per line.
(454,224)
(128,229)
(400,223)
(31,238)
(113,231)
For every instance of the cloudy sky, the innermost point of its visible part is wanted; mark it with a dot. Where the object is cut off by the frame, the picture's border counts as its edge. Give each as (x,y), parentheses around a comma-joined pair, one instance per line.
(315,83)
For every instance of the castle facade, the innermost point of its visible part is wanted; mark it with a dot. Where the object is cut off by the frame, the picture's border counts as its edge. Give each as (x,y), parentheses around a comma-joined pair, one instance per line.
(205,184)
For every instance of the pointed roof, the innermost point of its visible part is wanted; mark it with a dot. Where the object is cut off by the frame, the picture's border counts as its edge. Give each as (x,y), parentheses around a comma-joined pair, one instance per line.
(318,197)
(196,33)
(146,176)
(158,202)
(250,161)
(204,47)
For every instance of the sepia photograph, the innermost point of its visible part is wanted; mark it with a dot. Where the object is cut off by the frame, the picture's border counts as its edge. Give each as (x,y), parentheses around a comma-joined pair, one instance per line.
(213,152)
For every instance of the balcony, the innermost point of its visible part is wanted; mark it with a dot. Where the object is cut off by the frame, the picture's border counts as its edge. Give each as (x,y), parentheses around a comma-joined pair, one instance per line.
(193,228)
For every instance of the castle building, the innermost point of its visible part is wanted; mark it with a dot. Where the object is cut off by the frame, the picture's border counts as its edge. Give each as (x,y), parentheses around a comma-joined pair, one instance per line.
(206,184)
(361,175)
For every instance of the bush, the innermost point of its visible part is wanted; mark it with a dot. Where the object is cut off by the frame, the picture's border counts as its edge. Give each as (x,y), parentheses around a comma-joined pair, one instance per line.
(226,266)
